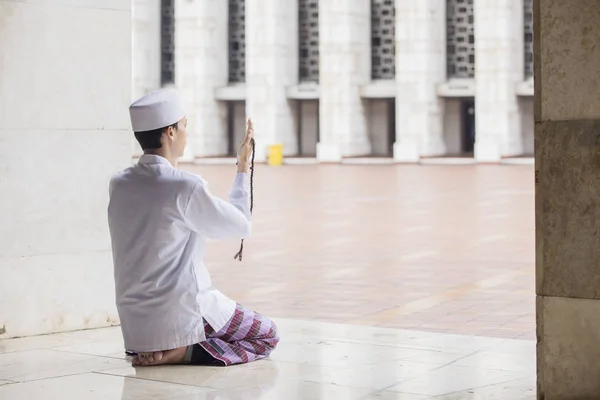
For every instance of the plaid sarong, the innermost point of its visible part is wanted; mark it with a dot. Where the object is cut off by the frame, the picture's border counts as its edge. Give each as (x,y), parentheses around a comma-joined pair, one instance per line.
(247,337)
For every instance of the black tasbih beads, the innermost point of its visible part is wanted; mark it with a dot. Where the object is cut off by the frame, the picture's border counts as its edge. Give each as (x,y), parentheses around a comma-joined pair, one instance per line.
(240,253)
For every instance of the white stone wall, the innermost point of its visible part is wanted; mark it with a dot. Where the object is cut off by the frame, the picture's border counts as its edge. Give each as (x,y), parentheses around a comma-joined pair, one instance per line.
(345,65)
(200,68)
(145,51)
(499,58)
(271,66)
(146,46)
(420,67)
(64,130)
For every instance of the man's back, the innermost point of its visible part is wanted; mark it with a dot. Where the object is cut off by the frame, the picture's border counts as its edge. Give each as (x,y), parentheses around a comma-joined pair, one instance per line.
(153,251)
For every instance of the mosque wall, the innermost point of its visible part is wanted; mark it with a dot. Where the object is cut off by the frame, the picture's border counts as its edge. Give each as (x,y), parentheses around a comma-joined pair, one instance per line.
(65,87)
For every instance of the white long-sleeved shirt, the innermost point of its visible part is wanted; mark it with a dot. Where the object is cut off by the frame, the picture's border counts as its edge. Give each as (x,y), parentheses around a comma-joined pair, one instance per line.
(159,219)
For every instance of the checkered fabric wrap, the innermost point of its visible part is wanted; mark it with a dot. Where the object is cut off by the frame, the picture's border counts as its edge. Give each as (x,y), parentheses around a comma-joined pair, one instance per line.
(247,337)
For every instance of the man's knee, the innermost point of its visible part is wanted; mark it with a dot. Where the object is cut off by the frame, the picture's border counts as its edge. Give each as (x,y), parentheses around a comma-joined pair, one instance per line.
(275,333)
(273,337)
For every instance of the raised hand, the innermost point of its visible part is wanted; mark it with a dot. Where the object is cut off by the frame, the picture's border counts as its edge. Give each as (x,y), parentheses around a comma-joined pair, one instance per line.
(246,148)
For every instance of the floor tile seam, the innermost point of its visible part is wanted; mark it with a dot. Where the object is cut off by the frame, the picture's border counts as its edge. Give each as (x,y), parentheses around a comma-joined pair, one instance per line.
(25,350)
(430,371)
(432,397)
(478,387)
(68,374)
(383,345)
(49,377)
(65,335)
(370,395)
(454,363)
(351,366)
(58,350)
(396,383)
(338,385)
(88,354)
(52,349)
(490,369)
(107,373)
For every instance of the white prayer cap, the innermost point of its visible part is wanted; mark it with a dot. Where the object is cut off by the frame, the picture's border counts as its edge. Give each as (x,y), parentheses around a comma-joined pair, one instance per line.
(156,110)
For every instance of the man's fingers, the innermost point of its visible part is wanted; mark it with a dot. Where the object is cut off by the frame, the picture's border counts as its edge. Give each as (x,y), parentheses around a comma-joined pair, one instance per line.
(249,131)
(247,139)
(249,128)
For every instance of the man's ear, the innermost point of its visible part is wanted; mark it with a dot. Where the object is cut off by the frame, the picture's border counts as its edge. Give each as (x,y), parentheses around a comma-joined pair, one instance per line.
(170,132)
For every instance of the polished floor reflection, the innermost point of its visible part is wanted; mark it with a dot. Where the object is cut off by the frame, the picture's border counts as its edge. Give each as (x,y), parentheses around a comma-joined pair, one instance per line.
(315,360)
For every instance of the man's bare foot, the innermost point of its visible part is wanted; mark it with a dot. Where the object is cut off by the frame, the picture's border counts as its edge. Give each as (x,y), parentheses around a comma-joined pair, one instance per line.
(167,357)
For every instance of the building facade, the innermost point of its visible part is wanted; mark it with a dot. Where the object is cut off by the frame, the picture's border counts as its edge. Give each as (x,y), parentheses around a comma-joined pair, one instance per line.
(333,79)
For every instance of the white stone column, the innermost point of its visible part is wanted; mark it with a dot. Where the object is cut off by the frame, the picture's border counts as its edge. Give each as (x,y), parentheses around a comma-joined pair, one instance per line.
(201,59)
(420,68)
(145,51)
(498,68)
(345,65)
(271,66)
(65,88)
(146,47)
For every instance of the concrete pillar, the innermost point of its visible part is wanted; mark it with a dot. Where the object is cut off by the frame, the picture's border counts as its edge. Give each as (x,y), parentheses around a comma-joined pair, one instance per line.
(420,68)
(271,66)
(567,151)
(345,65)
(145,51)
(146,46)
(65,88)
(498,69)
(201,67)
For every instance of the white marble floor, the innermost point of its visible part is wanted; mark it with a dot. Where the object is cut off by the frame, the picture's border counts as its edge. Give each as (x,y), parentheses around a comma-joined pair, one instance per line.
(315,360)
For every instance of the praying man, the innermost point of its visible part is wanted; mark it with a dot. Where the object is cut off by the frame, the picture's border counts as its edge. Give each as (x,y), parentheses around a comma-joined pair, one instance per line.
(160,218)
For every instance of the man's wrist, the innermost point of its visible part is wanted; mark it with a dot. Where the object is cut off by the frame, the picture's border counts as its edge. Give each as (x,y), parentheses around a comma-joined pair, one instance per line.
(243,167)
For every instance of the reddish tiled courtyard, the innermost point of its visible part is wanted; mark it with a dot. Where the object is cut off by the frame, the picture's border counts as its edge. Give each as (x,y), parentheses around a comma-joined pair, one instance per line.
(433,248)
